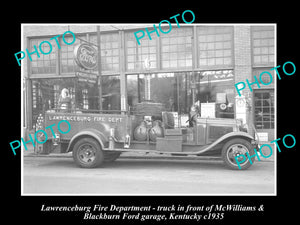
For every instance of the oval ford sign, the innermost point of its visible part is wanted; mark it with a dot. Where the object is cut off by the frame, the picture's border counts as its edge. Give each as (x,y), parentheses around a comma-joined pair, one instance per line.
(85,56)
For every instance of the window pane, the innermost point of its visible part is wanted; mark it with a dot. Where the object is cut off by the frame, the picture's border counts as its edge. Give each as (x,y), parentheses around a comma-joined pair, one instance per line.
(137,54)
(215,45)
(176,48)
(68,64)
(263,45)
(42,64)
(264,109)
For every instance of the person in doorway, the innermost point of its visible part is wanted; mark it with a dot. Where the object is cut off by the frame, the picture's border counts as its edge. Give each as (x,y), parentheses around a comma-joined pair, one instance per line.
(171,105)
(64,101)
(194,113)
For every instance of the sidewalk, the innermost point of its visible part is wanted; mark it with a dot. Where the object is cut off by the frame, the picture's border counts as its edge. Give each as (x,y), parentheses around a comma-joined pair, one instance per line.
(137,155)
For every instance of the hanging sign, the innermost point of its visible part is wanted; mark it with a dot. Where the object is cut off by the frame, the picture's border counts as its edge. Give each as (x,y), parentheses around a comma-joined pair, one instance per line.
(86,77)
(85,56)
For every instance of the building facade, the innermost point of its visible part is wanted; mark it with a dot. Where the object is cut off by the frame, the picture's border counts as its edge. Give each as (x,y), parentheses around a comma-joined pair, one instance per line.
(193,63)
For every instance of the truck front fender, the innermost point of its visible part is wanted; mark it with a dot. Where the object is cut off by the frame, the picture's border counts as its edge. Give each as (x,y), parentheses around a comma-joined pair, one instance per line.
(90,132)
(226,137)
(233,135)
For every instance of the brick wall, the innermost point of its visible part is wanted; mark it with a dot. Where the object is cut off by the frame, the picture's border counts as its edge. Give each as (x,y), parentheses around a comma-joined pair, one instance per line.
(242,62)
(242,53)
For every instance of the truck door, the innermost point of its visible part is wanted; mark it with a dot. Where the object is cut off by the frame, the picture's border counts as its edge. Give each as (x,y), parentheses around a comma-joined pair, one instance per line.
(200,134)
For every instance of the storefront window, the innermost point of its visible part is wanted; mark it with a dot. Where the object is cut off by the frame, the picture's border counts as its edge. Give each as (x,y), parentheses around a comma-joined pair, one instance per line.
(136,54)
(46,92)
(264,109)
(111,98)
(46,95)
(175,92)
(45,64)
(263,45)
(215,45)
(217,87)
(162,89)
(170,89)
(176,49)
(135,89)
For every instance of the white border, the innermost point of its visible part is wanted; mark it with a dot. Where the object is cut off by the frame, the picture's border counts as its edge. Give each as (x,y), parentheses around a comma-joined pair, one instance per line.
(139,25)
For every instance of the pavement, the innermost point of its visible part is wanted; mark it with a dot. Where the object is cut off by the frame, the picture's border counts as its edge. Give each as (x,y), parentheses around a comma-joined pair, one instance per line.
(132,176)
(144,174)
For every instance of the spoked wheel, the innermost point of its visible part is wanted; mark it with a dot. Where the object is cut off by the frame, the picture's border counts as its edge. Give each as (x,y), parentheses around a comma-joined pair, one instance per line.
(234,148)
(88,153)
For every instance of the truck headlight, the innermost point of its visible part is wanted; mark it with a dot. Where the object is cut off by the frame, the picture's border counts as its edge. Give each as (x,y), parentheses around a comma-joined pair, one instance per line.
(244,128)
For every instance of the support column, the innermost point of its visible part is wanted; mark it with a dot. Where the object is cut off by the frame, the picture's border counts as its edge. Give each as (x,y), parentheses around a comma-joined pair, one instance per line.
(28,103)
(243,70)
(123,85)
(99,67)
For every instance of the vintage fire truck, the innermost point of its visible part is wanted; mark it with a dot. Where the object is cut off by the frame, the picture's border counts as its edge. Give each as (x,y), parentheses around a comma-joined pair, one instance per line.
(95,138)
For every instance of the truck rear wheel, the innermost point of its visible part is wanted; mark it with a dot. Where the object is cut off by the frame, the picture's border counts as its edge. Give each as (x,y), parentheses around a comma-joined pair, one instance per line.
(87,153)
(236,147)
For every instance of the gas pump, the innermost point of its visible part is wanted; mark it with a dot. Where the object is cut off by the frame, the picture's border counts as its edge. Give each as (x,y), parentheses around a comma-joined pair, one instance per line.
(241,108)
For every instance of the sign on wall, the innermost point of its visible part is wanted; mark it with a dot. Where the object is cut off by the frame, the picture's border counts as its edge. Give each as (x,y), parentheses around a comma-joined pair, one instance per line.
(85,56)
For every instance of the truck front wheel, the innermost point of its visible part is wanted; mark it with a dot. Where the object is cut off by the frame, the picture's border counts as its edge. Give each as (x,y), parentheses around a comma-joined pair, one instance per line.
(234,148)
(87,153)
